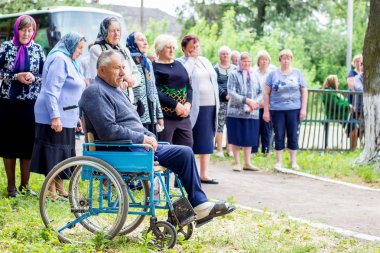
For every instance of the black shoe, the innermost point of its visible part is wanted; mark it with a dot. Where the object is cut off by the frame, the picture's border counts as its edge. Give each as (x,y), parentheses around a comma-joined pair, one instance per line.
(209,181)
(26,191)
(13,193)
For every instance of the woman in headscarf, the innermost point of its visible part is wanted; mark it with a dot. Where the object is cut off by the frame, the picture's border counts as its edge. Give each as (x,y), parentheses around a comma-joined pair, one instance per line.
(243,111)
(109,38)
(146,96)
(62,86)
(21,63)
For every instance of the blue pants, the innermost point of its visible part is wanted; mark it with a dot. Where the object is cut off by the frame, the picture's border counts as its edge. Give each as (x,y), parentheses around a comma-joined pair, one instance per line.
(180,160)
(265,133)
(286,120)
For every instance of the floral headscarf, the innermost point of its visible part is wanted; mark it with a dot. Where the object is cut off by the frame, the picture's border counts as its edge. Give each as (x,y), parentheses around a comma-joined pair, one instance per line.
(22,55)
(67,46)
(247,73)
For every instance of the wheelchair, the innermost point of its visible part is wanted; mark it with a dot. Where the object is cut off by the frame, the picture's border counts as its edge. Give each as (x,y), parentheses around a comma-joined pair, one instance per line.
(110,191)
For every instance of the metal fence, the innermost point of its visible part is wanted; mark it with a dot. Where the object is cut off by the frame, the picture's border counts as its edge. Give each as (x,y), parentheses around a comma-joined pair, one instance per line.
(334,121)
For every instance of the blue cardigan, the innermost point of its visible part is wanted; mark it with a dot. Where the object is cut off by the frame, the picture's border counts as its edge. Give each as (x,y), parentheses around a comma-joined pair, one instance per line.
(111,114)
(61,86)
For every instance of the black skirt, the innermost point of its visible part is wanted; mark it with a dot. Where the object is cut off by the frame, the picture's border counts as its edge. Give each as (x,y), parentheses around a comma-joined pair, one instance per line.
(51,148)
(16,115)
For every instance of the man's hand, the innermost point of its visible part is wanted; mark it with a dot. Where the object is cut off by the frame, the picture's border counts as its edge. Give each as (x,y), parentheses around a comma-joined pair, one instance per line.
(151,141)
(129,81)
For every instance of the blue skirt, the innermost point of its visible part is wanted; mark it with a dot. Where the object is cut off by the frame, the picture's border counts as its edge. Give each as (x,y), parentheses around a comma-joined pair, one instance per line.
(204,130)
(242,132)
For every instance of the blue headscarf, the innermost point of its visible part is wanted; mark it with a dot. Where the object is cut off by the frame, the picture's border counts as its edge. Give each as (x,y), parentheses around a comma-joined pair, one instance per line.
(147,71)
(136,53)
(67,46)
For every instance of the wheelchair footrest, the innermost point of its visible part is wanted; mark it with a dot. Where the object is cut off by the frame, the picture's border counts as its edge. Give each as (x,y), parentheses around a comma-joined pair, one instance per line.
(184,212)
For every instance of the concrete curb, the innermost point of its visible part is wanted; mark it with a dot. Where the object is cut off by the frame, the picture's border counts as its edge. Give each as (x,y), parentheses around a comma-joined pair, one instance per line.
(338,230)
(298,173)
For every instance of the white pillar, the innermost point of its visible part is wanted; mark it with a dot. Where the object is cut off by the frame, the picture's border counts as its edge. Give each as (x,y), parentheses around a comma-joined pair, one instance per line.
(350,10)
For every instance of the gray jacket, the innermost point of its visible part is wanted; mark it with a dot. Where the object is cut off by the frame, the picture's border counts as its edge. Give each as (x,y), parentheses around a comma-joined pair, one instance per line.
(130,66)
(189,64)
(239,91)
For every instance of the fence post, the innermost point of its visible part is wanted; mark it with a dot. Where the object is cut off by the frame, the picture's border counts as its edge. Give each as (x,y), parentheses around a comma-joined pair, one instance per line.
(326,126)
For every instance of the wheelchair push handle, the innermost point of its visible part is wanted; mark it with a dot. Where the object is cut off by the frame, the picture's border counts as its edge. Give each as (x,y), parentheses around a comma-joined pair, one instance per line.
(70,107)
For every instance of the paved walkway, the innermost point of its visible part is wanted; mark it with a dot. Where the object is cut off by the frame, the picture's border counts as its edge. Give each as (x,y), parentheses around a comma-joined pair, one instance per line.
(318,201)
(335,205)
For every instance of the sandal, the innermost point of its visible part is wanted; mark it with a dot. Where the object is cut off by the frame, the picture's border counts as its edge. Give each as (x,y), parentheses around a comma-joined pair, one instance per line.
(52,196)
(220,208)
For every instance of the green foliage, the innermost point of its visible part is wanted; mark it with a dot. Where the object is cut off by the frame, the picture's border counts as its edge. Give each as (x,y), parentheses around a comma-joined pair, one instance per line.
(10,6)
(155,28)
(314,30)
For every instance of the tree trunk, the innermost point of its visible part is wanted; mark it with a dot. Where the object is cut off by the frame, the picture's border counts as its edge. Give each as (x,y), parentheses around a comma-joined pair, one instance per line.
(260,19)
(371,60)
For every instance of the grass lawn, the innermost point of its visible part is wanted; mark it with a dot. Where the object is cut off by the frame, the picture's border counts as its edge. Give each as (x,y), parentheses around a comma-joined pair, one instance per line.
(22,230)
(335,165)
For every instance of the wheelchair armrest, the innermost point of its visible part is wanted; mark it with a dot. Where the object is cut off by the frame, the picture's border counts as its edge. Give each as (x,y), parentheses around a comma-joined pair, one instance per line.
(116,142)
(163,142)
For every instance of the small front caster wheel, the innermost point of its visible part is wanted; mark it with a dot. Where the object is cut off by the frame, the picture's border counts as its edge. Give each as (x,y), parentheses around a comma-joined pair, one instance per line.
(165,235)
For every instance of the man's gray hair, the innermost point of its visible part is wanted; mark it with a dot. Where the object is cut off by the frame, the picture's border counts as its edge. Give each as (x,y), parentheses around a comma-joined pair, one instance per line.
(106,56)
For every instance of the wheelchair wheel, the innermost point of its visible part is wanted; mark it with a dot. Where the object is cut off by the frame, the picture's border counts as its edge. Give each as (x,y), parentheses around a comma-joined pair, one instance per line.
(165,236)
(89,207)
(138,193)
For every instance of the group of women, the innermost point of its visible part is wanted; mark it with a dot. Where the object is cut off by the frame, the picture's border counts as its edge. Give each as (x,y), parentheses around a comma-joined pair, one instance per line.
(177,99)
(257,100)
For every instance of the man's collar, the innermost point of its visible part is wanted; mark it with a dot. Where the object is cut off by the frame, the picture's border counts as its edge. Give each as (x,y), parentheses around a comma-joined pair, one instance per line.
(98,78)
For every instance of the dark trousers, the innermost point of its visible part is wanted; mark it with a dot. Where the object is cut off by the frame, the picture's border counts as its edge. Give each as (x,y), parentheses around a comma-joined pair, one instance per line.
(180,160)
(265,134)
(177,132)
(285,121)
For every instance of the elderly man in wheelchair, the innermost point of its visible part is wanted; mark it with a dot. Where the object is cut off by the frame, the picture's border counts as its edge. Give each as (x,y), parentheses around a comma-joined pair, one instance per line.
(113,117)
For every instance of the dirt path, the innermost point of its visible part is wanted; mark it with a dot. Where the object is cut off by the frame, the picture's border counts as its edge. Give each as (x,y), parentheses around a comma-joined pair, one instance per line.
(328,203)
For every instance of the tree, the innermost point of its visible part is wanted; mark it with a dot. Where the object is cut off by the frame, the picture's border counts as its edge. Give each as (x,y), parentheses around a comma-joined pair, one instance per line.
(10,6)
(371,56)
(251,14)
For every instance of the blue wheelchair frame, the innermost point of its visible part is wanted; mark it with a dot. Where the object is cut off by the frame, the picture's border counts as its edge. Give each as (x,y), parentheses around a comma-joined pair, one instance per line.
(138,165)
